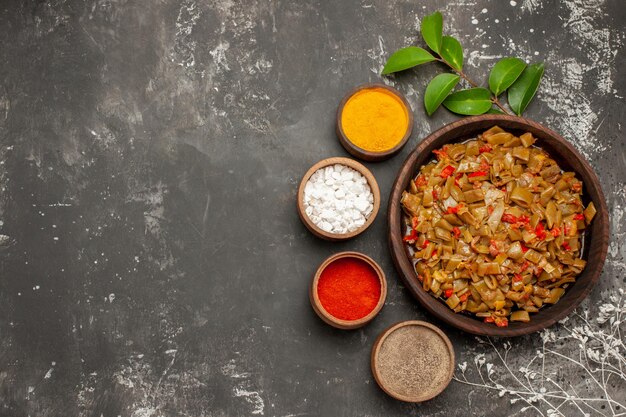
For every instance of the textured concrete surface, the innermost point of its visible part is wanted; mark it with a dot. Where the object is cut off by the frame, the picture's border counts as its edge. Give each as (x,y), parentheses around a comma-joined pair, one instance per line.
(149,158)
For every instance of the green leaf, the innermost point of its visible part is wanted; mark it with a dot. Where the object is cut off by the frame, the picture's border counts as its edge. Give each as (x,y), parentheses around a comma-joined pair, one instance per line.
(437,90)
(504,73)
(432,28)
(406,58)
(452,52)
(523,90)
(493,110)
(470,102)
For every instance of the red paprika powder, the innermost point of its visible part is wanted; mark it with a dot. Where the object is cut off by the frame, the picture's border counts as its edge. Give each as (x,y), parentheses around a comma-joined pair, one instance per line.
(349,288)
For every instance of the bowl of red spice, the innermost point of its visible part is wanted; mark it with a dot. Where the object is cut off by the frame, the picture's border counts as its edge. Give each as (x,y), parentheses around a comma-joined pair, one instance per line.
(348,290)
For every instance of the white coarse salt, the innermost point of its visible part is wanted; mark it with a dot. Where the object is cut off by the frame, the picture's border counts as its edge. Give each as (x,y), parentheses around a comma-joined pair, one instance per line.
(338,199)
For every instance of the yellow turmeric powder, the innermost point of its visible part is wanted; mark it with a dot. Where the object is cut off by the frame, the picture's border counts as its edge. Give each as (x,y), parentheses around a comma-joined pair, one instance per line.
(375,119)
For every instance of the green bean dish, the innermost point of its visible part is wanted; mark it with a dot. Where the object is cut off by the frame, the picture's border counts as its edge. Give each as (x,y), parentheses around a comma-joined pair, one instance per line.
(495,226)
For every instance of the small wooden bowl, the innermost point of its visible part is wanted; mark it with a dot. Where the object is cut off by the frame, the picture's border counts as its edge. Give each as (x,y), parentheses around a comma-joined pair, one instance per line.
(357,167)
(360,152)
(327,317)
(596,236)
(423,396)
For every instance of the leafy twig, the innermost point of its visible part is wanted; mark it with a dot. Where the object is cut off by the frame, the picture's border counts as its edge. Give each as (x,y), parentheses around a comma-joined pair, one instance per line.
(494,99)
(509,74)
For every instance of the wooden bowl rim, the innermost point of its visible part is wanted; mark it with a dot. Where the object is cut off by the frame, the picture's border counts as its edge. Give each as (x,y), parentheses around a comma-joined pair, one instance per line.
(371,180)
(363,153)
(329,318)
(557,311)
(379,342)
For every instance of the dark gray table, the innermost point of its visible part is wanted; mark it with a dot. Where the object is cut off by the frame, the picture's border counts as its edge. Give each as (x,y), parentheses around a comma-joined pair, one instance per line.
(154,263)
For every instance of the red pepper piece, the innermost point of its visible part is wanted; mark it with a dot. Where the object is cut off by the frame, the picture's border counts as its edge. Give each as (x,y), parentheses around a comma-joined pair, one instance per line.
(524,266)
(435,194)
(524,248)
(524,222)
(411,237)
(509,218)
(454,209)
(485,148)
(566,246)
(414,222)
(447,171)
(448,293)
(420,181)
(489,319)
(477,174)
(440,154)
(490,209)
(577,187)
(579,216)
(493,248)
(464,297)
(540,231)
(555,231)
(456,231)
(502,322)
(457,177)
(517,278)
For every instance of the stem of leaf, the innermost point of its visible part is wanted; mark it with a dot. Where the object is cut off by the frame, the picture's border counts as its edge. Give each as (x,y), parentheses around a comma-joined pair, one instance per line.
(497,103)
(461,74)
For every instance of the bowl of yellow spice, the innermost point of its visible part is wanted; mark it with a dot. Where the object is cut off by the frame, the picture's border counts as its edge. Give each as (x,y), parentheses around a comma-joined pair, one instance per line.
(374,121)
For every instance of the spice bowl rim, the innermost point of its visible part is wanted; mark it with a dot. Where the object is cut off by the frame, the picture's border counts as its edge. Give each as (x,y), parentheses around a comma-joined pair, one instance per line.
(385,334)
(596,235)
(363,153)
(329,318)
(357,166)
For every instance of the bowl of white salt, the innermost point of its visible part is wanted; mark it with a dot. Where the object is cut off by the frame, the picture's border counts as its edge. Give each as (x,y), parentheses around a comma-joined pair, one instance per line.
(338,198)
